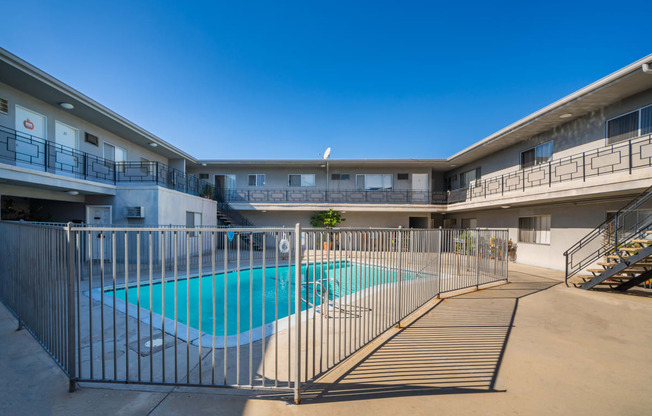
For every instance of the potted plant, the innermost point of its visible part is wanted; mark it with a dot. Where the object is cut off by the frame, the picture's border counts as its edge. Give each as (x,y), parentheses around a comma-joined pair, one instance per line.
(207,191)
(327,219)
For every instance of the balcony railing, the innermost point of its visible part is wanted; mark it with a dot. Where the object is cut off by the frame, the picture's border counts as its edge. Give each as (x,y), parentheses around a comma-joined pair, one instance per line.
(316,195)
(624,156)
(20,149)
(23,150)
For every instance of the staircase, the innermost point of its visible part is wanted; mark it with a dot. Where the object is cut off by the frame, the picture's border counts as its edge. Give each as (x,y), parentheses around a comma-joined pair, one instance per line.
(618,253)
(229,217)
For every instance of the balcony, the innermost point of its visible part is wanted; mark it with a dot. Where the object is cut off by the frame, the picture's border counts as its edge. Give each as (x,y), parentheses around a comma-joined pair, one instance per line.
(622,157)
(317,196)
(22,150)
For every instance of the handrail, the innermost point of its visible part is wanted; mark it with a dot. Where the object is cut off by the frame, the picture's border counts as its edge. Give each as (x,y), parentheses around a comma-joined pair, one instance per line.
(51,156)
(622,233)
(578,166)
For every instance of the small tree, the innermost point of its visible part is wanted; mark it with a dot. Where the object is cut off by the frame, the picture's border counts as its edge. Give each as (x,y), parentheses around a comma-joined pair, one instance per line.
(208,190)
(326,219)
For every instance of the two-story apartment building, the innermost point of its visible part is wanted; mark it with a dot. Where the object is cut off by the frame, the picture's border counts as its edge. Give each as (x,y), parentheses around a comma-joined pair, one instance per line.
(549,178)
(65,157)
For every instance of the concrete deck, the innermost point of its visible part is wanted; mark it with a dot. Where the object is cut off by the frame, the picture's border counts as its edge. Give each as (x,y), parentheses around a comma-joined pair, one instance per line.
(529,347)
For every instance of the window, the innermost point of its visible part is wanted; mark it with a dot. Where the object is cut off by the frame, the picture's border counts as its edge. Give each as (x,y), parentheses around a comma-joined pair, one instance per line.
(257,180)
(402,176)
(534,229)
(469,223)
(646,120)
(193,219)
(340,176)
(203,176)
(450,223)
(306,179)
(537,155)
(630,125)
(115,154)
(468,177)
(374,182)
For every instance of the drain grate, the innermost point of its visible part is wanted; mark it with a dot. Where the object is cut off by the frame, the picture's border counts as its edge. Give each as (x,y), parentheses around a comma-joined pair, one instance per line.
(152,346)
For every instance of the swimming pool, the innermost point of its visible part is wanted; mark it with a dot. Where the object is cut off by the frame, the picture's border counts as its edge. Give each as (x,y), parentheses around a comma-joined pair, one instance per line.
(256,290)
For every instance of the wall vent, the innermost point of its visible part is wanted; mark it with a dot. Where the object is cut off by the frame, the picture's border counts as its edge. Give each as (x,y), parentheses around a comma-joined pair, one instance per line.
(4,106)
(403,176)
(92,139)
(135,212)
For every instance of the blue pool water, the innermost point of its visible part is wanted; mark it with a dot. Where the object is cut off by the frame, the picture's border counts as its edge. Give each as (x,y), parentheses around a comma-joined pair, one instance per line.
(257,286)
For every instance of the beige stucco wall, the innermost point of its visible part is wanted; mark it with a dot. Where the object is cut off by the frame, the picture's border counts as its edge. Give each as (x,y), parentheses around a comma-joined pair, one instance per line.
(353,219)
(569,223)
(580,135)
(276,177)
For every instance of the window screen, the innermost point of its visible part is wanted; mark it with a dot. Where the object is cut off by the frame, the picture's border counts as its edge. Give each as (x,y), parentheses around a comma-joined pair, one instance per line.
(301,180)
(256,180)
(646,120)
(374,182)
(623,127)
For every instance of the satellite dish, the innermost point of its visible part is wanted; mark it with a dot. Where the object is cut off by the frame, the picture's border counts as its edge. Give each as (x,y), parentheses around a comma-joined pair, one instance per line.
(327,153)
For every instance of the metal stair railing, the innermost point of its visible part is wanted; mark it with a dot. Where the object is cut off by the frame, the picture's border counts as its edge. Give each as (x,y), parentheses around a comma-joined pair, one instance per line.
(626,225)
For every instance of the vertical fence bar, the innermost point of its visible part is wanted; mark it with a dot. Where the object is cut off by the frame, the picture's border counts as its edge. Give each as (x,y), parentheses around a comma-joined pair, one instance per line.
(71,365)
(297,317)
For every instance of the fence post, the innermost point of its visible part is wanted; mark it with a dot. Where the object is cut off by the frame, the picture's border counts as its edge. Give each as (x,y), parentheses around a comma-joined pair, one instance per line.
(400,275)
(297,313)
(70,293)
(477,259)
(441,239)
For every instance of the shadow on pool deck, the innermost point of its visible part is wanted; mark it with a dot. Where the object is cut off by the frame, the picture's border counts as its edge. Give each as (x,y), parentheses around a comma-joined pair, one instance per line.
(456,347)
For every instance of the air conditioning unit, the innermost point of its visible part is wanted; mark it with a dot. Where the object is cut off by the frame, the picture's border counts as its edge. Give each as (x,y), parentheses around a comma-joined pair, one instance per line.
(135,212)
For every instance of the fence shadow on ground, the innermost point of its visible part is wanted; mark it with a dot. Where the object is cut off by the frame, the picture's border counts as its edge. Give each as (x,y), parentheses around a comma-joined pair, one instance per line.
(455,348)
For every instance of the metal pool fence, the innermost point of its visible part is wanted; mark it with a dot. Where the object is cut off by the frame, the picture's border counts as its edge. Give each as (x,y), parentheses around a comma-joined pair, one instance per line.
(263,308)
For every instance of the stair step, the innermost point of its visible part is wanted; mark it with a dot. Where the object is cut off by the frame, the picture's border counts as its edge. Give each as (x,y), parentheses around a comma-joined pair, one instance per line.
(648,242)
(630,249)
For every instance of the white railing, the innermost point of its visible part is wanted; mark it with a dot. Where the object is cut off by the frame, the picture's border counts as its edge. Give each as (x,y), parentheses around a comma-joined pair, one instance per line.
(213,307)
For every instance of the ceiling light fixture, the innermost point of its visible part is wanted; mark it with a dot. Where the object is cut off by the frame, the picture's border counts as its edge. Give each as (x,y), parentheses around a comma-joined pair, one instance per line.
(66,106)
(73,193)
(153,144)
(566,115)
(203,164)
(505,206)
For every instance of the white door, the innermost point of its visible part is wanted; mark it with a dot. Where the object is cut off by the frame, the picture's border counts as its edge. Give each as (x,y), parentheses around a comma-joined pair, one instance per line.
(420,187)
(31,130)
(66,154)
(99,216)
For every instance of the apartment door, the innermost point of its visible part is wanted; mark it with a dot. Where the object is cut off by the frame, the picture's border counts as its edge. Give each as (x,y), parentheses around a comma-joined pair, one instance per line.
(420,187)
(220,188)
(31,128)
(224,184)
(99,216)
(66,138)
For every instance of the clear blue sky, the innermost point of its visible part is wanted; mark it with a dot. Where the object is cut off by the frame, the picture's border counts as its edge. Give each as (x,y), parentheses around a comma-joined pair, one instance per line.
(378,79)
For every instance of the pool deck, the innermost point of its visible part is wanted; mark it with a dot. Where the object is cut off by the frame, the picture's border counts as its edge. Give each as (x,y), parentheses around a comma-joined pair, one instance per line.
(532,346)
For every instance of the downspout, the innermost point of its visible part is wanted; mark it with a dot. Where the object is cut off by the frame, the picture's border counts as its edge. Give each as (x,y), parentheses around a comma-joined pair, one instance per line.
(647,68)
